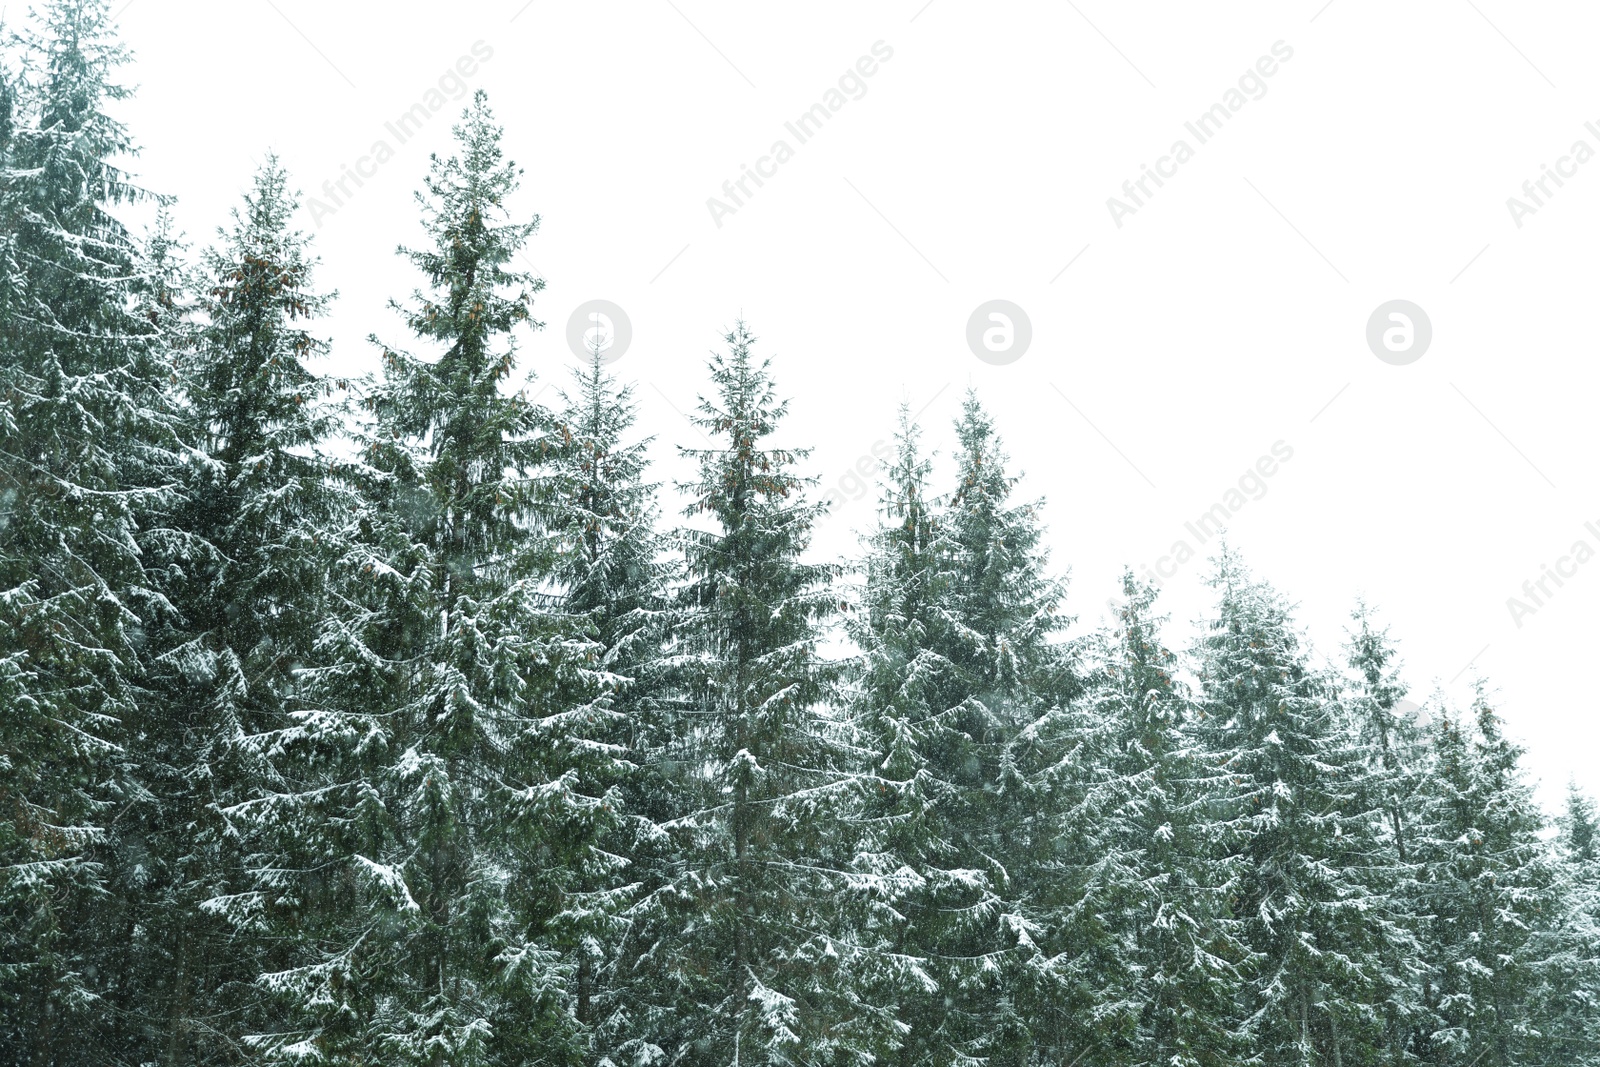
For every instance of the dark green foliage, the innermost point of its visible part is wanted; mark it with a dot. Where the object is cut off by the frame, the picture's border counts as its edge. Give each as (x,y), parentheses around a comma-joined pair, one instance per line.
(1145,949)
(439,765)
(88,452)
(1295,828)
(244,567)
(380,722)
(760,962)
(611,568)
(1488,881)
(934,898)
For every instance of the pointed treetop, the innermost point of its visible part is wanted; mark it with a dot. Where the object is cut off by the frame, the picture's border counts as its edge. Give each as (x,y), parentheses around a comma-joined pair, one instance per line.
(465,209)
(1579,825)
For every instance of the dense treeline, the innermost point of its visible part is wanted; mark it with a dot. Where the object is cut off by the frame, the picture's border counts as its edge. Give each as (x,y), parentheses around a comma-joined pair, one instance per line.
(388,721)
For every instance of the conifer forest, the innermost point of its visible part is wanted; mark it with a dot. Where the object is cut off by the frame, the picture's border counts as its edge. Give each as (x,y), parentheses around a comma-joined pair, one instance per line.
(394,720)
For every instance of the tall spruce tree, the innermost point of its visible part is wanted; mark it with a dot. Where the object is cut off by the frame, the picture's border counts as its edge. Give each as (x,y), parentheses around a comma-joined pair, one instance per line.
(1568,1011)
(1012,678)
(757,966)
(929,901)
(87,451)
(1295,826)
(444,774)
(612,571)
(1148,971)
(1395,761)
(244,574)
(1490,889)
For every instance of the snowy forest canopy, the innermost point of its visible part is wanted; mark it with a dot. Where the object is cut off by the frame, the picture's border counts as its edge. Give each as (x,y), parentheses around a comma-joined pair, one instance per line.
(388,721)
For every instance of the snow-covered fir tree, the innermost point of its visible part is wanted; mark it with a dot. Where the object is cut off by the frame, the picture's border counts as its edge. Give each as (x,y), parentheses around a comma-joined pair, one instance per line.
(1292,817)
(1011,679)
(1489,885)
(612,569)
(444,775)
(927,898)
(755,965)
(1395,759)
(1568,1012)
(88,450)
(1150,969)
(246,568)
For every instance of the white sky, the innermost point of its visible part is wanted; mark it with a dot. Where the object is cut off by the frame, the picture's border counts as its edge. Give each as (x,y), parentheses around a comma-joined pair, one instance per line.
(1227,314)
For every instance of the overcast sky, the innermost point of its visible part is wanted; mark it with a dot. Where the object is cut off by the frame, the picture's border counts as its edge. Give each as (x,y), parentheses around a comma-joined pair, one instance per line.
(1360,153)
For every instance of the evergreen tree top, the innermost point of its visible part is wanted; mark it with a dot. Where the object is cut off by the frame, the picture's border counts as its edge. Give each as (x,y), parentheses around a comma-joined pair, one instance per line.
(598,414)
(596,498)
(1008,604)
(465,211)
(252,388)
(72,62)
(474,445)
(1133,644)
(1372,655)
(745,410)
(746,405)
(983,484)
(1252,640)
(1579,825)
(904,550)
(905,487)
